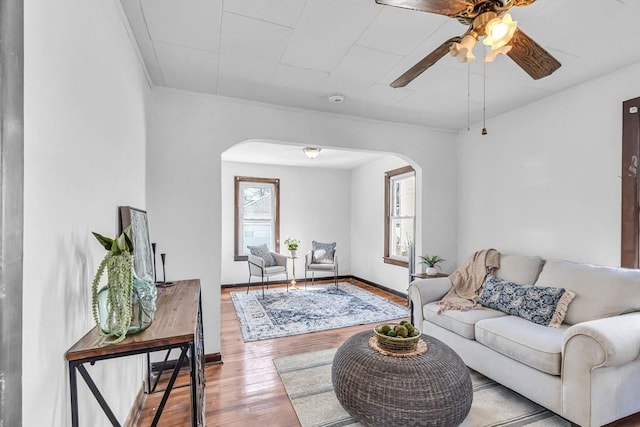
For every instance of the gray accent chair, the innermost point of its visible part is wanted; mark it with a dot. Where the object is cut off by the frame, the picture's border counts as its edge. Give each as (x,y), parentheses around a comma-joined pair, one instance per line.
(257,268)
(310,266)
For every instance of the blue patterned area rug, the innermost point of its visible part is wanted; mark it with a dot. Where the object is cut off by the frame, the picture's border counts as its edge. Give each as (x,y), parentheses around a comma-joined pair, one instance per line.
(317,308)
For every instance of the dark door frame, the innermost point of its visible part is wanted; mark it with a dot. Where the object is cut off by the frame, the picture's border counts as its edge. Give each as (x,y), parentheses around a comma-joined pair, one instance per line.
(630,212)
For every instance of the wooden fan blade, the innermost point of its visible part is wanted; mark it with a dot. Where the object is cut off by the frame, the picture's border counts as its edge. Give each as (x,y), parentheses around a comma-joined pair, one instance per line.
(531,57)
(515,3)
(425,63)
(442,7)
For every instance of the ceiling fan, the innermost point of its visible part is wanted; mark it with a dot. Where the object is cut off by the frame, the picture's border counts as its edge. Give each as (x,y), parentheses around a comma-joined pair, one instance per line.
(487,19)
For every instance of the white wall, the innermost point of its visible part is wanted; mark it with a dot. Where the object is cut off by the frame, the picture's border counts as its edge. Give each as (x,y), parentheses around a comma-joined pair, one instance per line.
(314,205)
(188,133)
(546,179)
(84,156)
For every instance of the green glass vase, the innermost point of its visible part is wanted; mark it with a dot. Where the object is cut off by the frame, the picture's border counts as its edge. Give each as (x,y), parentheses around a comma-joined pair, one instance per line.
(143,307)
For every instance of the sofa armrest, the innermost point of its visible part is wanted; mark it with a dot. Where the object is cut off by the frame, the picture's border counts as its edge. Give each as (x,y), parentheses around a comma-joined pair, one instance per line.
(424,291)
(594,353)
(615,339)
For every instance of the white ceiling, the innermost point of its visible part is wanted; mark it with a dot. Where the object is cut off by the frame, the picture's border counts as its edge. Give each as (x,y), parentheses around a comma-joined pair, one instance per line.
(297,52)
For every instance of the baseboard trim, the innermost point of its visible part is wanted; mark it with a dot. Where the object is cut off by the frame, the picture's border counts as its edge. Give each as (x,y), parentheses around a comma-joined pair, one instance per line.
(379,286)
(281,282)
(213,358)
(136,409)
(346,277)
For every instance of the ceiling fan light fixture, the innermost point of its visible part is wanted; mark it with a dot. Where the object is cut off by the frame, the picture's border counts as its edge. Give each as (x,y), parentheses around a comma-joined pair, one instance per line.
(311,152)
(493,54)
(499,31)
(464,50)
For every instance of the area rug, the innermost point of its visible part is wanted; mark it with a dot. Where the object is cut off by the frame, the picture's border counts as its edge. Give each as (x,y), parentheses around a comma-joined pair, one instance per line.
(317,308)
(307,379)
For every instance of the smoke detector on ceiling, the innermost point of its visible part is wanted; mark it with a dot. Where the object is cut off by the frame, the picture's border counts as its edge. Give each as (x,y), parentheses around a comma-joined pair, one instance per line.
(336,98)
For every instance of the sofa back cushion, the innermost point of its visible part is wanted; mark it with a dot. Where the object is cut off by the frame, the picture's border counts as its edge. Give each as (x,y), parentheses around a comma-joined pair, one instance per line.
(519,268)
(600,291)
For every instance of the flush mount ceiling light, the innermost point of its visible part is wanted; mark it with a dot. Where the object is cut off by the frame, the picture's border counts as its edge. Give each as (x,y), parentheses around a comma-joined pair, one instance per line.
(336,98)
(311,152)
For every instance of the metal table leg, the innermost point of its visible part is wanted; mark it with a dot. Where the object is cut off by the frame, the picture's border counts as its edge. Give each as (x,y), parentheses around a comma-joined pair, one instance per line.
(73,385)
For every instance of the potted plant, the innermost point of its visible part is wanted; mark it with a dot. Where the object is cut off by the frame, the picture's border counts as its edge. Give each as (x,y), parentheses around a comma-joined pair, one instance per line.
(127,304)
(432,263)
(292,245)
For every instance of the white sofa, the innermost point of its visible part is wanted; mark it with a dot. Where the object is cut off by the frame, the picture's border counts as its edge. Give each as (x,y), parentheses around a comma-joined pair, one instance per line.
(587,371)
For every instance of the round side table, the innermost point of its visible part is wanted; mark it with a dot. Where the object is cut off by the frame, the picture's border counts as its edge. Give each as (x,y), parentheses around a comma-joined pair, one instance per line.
(432,389)
(293,264)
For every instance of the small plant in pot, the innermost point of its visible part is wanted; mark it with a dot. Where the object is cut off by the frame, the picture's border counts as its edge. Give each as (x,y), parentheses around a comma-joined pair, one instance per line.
(432,263)
(292,245)
(127,304)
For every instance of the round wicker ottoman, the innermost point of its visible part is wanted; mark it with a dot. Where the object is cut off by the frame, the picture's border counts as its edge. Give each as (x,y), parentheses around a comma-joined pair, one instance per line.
(433,389)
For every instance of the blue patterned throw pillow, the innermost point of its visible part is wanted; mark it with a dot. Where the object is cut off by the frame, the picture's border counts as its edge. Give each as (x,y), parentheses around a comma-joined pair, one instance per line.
(322,252)
(263,252)
(539,304)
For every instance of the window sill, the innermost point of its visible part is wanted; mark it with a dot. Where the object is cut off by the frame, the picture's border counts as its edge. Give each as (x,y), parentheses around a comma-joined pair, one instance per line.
(240,257)
(394,261)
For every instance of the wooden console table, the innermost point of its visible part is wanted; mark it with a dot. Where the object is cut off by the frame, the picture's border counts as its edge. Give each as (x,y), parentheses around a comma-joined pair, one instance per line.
(177,325)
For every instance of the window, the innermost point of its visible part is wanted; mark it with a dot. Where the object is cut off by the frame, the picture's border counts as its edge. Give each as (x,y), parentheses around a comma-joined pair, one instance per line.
(257,214)
(400,197)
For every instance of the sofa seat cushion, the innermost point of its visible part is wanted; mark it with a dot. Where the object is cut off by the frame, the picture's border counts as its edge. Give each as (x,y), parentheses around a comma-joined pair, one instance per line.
(460,322)
(532,344)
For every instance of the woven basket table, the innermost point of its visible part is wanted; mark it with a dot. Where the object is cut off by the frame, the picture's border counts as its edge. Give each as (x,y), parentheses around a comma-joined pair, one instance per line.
(432,389)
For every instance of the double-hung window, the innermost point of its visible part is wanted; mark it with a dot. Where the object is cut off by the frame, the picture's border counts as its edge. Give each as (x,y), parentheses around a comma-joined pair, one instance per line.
(400,197)
(257,219)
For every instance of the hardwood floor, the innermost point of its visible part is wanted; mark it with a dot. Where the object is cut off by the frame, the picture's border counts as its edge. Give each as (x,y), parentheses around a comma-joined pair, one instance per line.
(245,390)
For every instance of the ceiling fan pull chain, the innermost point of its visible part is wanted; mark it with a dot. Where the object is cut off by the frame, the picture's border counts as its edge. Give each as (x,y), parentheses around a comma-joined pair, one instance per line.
(484,92)
(468,96)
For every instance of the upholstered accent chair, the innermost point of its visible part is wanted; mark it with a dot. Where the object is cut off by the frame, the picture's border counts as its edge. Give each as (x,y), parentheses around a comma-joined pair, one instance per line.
(258,268)
(322,257)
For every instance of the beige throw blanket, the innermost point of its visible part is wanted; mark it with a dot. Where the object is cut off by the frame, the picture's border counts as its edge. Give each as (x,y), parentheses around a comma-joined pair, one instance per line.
(467,281)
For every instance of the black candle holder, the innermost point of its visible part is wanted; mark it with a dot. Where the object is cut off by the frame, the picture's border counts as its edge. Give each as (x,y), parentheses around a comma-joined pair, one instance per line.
(164,282)
(155,274)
